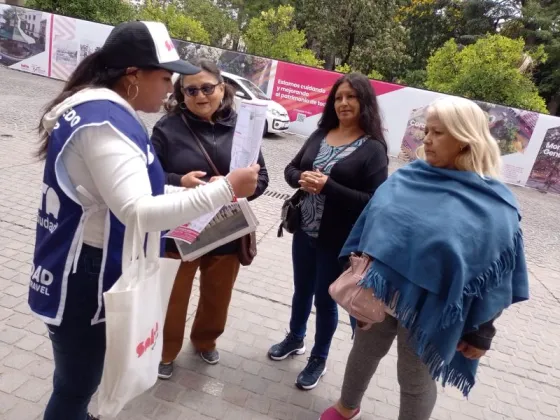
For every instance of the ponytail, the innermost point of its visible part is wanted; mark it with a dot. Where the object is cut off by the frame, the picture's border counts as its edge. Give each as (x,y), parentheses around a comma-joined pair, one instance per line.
(91,72)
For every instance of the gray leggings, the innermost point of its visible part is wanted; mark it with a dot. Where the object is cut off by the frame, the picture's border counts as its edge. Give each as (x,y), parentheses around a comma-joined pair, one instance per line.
(418,389)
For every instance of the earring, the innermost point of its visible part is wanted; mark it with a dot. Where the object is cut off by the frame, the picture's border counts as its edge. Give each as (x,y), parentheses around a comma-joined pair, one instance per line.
(129,97)
(183,106)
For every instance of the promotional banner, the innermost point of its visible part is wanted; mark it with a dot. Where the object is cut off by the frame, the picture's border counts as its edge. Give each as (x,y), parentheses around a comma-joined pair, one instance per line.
(255,69)
(303,91)
(512,128)
(71,41)
(24,36)
(545,173)
(52,45)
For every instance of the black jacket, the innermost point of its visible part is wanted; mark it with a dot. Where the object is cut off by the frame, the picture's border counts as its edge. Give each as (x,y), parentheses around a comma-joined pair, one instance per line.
(351,184)
(179,154)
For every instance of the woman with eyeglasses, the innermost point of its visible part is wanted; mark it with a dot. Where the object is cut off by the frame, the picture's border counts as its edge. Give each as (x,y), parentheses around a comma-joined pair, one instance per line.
(199,111)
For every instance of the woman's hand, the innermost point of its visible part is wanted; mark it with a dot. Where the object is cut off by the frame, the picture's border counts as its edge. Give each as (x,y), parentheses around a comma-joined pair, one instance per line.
(469,351)
(313,182)
(244,180)
(191,180)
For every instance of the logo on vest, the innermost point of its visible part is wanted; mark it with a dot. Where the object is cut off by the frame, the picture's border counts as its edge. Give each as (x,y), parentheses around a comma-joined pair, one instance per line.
(71,117)
(149,342)
(50,207)
(41,279)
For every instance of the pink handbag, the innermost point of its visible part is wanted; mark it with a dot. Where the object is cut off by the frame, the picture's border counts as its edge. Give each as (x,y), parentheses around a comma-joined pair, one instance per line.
(360,303)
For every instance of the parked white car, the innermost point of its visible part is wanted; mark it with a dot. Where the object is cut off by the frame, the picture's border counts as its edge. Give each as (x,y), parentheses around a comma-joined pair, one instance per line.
(277,119)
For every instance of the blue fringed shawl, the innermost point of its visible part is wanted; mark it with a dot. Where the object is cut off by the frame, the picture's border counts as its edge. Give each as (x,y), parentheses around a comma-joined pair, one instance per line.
(449,244)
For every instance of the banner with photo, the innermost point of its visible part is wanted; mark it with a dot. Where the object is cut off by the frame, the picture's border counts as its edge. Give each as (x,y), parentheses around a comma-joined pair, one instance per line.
(71,41)
(303,91)
(255,69)
(512,128)
(52,45)
(24,39)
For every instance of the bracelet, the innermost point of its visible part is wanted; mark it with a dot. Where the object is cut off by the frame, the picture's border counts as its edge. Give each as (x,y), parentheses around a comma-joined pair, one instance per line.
(230,188)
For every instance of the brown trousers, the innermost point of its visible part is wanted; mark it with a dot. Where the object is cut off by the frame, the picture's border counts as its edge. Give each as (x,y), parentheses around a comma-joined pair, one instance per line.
(217,277)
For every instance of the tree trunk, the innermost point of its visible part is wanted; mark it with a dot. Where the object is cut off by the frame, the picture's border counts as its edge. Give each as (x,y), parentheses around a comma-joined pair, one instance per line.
(240,15)
(330,62)
(554,105)
(350,47)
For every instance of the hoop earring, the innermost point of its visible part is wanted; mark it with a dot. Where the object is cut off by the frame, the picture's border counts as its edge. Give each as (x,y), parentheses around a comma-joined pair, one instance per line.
(128,96)
(183,106)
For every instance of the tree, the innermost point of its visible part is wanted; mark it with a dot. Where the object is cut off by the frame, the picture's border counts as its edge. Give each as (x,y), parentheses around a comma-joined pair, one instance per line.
(110,12)
(429,23)
(361,33)
(179,25)
(244,10)
(220,26)
(487,70)
(539,24)
(274,35)
(374,74)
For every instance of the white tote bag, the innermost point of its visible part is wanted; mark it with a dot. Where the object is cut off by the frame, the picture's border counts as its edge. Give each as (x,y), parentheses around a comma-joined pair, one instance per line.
(135,309)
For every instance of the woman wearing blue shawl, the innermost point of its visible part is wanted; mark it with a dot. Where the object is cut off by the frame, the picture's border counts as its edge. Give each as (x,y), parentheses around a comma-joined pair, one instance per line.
(447,249)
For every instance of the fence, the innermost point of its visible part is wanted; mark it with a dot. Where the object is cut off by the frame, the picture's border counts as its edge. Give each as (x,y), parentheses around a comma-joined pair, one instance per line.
(53,45)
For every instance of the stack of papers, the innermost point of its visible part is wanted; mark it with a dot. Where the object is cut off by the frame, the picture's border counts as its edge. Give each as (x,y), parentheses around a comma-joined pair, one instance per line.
(234,220)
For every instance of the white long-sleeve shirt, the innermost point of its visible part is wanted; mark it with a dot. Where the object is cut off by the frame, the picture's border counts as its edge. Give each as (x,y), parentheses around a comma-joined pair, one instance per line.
(108,173)
(111,174)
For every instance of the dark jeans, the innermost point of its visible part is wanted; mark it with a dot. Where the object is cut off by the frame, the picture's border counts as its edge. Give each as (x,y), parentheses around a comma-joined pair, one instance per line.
(316,266)
(78,346)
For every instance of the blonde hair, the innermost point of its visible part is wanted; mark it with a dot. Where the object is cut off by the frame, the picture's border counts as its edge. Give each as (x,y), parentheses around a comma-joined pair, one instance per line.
(468,124)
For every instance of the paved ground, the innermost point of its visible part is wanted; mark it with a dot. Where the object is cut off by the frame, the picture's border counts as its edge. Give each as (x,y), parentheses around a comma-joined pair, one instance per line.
(519,379)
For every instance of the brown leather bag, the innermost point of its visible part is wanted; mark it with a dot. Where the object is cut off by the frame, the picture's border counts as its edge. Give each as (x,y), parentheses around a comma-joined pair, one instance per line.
(247,245)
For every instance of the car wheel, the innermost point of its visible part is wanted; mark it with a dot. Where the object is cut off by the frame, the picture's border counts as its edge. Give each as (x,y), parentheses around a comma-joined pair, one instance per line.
(265,131)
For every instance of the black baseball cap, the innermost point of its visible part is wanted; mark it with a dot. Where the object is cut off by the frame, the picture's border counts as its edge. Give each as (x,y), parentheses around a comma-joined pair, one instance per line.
(143,45)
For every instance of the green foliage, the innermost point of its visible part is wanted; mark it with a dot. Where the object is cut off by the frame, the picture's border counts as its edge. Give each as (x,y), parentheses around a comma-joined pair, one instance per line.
(344,68)
(361,33)
(374,74)
(274,35)
(179,25)
(429,23)
(487,70)
(539,24)
(110,12)
(414,78)
(216,21)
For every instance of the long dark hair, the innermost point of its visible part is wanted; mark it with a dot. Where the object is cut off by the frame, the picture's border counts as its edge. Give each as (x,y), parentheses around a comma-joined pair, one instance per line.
(91,72)
(370,120)
(175,102)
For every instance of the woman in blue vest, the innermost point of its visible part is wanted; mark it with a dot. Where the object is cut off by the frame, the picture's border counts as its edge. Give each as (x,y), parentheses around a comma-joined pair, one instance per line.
(100,172)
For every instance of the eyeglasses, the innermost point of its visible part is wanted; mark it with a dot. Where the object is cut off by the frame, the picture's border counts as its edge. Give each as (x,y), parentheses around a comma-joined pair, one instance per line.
(207,89)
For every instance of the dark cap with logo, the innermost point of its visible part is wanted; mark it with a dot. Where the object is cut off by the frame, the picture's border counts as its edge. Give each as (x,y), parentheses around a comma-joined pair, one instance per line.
(143,45)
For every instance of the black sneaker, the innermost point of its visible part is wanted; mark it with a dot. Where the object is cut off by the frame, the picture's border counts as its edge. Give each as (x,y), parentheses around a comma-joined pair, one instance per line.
(211,357)
(310,375)
(165,370)
(290,345)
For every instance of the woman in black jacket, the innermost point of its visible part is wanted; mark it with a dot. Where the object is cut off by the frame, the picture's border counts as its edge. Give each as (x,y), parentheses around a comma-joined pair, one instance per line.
(339,167)
(201,106)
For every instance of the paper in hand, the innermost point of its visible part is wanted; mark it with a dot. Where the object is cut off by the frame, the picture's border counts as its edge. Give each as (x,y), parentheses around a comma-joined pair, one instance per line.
(247,139)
